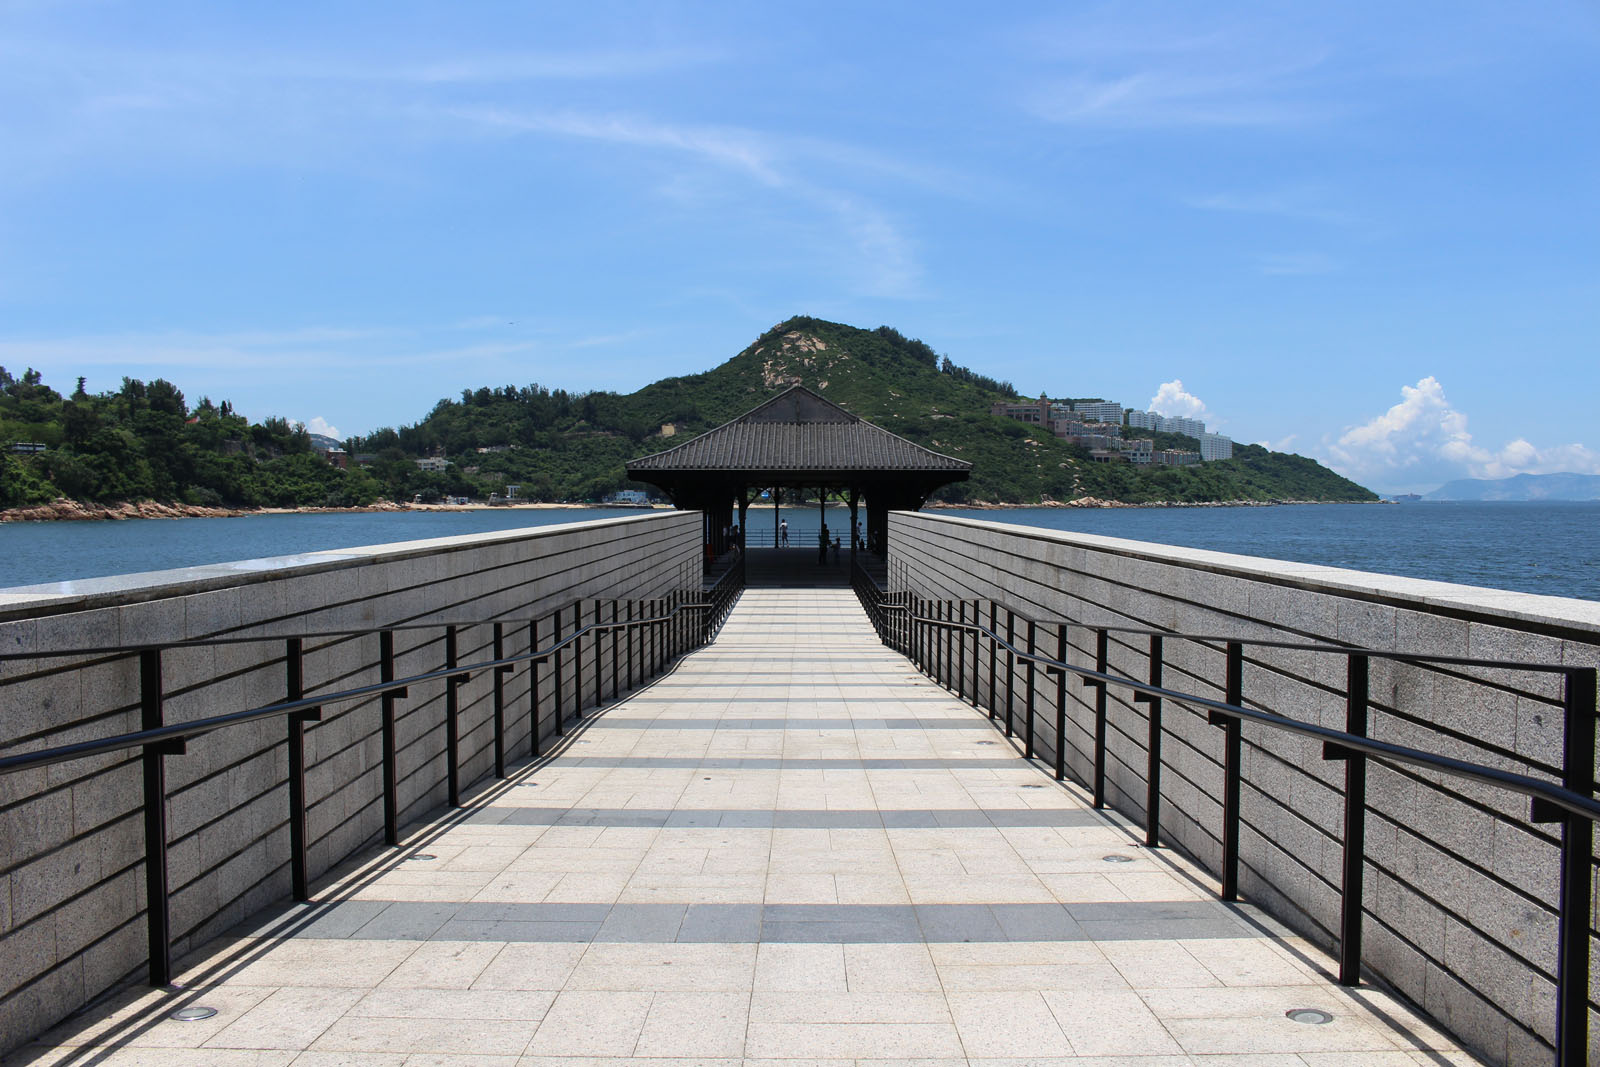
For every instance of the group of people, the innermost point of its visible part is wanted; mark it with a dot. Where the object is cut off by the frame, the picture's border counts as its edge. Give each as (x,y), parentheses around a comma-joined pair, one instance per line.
(733,537)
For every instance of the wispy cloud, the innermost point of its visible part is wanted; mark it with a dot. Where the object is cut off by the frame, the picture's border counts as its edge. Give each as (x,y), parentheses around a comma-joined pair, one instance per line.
(1157,98)
(738,149)
(1300,205)
(1296,263)
(1099,68)
(1423,440)
(885,259)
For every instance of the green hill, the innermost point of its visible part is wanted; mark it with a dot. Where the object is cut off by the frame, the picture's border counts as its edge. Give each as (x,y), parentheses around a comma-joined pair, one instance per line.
(563,445)
(145,442)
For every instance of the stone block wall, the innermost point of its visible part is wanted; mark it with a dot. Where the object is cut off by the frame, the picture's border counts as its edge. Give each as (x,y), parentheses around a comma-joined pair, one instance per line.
(71,835)
(1461,889)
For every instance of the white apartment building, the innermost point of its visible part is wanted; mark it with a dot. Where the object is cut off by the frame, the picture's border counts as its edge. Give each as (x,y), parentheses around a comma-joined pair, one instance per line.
(1142,420)
(1100,411)
(1214,446)
(433,463)
(1190,427)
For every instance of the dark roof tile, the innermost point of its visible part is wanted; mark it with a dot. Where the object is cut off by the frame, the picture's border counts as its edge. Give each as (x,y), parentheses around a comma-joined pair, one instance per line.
(798,430)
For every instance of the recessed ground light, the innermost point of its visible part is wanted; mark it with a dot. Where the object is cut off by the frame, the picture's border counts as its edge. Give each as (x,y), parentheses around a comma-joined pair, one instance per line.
(988,742)
(1114,858)
(421,856)
(192,1014)
(1316,1016)
(1033,785)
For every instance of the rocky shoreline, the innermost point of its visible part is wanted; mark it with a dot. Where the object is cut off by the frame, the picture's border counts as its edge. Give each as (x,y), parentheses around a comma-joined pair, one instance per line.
(64,510)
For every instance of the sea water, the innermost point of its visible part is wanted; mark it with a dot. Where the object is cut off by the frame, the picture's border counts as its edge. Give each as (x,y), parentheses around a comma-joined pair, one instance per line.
(1537,547)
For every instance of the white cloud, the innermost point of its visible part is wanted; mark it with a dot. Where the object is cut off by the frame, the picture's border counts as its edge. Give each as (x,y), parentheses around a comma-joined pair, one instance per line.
(318,424)
(1174,401)
(1423,441)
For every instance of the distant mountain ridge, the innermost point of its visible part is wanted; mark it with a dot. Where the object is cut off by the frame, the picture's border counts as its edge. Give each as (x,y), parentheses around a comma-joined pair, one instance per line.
(1564,486)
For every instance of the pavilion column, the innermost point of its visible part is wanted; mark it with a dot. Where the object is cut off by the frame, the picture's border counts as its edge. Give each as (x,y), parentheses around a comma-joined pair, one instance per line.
(855,500)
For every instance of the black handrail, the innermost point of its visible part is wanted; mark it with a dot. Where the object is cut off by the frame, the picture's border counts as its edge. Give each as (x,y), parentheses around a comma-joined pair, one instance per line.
(910,630)
(665,633)
(199,727)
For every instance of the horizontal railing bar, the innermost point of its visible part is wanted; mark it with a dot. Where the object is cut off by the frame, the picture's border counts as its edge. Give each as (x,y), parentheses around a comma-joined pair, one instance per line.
(307,635)
(198,727)
(1561,797)
(1291,646)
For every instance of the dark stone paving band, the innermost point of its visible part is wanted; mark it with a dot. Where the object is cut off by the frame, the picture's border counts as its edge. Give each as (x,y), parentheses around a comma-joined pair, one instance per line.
(921,819)
(747,923)
(802,763)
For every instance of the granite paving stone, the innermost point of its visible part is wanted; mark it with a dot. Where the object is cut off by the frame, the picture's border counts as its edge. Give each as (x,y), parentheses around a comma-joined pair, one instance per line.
(791,850)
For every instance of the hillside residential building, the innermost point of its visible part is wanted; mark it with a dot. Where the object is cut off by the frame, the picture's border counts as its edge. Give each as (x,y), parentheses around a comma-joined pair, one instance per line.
(1100,411)
(1215,446)
(436,464)
(1175,457)
(1034,411)
(1093,441)
(1141,420)
(1138,451)
(1188,427)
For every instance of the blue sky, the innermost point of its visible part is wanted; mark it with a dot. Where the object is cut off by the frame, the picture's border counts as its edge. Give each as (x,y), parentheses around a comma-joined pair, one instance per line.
(1365,232)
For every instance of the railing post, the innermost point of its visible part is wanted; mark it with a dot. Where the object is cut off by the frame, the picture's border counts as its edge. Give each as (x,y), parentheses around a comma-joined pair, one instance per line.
(1577,876)
(294,660)
(950,678)
(994,632)
(555,677)
(1231,755)
(391,761)
(1028,672)
(157,915)
(1061,701)
(1152,748)
(976,623)
(452,724)
(1102,663)
(1011,664)
(533,689)
(577,659)
(961,650)
(499,702)
(632,629)
(599,672)
(616,650)
(914,630)
(1355,824)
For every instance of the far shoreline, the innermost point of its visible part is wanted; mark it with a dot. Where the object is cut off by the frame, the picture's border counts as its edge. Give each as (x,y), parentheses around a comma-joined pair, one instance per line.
(63,510)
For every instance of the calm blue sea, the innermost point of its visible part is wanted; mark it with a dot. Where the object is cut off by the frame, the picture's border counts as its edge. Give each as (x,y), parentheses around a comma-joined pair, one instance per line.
(1532,547)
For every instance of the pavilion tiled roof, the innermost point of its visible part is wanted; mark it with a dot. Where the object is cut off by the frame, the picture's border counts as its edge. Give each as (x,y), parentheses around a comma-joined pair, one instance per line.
(798,430)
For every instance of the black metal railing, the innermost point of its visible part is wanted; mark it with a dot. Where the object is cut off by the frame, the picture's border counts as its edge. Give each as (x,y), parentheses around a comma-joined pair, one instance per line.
(940,635)
(645,637)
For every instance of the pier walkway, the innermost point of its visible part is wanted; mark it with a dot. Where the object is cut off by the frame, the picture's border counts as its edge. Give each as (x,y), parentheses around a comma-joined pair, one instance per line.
(792,848)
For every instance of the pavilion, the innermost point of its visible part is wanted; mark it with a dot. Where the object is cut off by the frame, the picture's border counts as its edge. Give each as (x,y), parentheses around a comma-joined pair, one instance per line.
(797,440)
